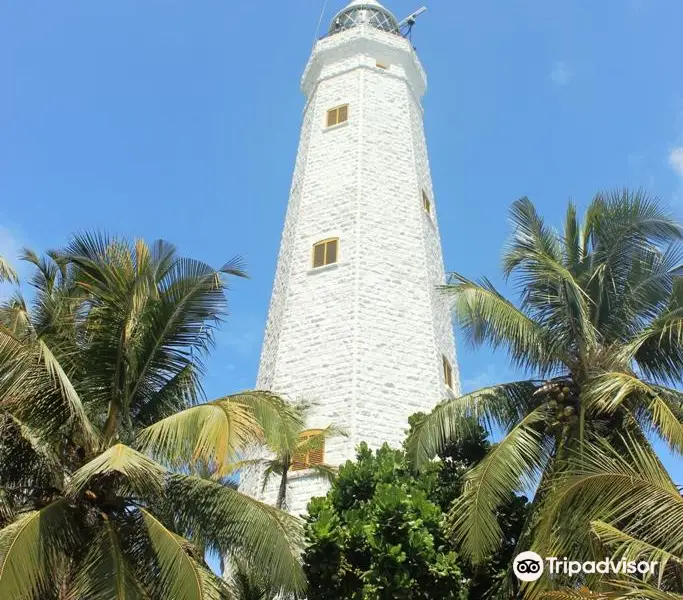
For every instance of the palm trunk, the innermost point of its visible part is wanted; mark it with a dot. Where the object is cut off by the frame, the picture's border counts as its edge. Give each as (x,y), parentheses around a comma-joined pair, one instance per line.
(110,424)
(282,492)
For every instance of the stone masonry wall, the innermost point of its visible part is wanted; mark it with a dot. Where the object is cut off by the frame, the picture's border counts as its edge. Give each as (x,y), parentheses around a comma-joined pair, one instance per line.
(361,340)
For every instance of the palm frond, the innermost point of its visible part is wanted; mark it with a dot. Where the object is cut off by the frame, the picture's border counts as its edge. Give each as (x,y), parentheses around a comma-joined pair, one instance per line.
(214,432)
(576,594)
(624,234)
(645,291)
(7,273)
(105,572)
(180,576)
(323,471)
(627,216)
(573,252)
(628,547)
(658,348)
(235,267)
(608,391)
(245,582)
(234,522)
(514,463)
(666,417)
(531,237)
(142,474)
(7,509)
(173,395)
(501,405)
(280,420)
(31,547)
(41,456)
(37,389)
(314,440)
(620,591)
(486,316)
(618,487)
(218,431)
(14,315)
(59,376)
(639,590)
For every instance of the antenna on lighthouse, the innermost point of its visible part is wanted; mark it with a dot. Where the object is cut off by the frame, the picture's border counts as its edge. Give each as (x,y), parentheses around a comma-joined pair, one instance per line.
(406,26)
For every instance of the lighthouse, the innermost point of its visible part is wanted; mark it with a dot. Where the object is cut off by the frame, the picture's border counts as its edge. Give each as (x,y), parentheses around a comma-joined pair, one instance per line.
(356,327)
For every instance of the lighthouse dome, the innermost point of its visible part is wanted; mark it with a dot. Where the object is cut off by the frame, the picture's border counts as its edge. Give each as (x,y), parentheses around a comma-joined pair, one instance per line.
(360,12)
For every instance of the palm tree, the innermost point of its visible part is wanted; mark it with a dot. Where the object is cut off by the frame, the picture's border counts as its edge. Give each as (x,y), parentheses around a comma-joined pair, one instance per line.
(635,514)
(102,427)
(288,449)
(599,327)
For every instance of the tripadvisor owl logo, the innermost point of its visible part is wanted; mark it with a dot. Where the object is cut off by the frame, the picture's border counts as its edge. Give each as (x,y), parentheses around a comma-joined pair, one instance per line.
(528,566)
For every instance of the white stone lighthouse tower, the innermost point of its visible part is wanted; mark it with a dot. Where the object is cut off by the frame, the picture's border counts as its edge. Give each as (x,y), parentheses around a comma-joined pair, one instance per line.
(356,325)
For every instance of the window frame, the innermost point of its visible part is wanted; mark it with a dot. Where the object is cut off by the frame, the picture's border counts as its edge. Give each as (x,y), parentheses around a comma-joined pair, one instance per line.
(336,110)
(304,459)
(447,371)
(325,242)
(426,202)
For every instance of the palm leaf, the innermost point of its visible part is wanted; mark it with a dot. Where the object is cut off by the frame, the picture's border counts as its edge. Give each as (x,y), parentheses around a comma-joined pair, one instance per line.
(530,237)
(573,252)
(105,572)
(175,394)
(143,475)
(7,512)
(233,522)
(37,389)
(31,547)
(215,432)
(59,376)
(628,547)
(280,420)
(512,464)
(667,419)
(314,440)
(323,471)
(631,591)
(180,576)
(658,348)
(574,595)
(7,273)
(608,391)
(500,405)
(244,581)
(486,316)
(618,487)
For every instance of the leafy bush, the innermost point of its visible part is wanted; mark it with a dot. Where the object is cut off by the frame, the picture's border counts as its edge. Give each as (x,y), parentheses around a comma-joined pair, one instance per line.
(380,532)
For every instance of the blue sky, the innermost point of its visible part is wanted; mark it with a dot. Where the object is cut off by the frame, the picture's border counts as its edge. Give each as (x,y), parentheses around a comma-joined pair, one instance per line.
(180,120)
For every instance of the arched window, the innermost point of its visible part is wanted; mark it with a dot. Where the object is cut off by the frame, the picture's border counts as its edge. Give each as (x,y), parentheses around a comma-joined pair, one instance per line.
(313,450)
(325,252)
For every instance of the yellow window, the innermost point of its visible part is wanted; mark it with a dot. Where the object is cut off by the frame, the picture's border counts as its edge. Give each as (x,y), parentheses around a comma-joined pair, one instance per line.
(339,114)
(426,202)
(314,453)
(325,252)
(447,372)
